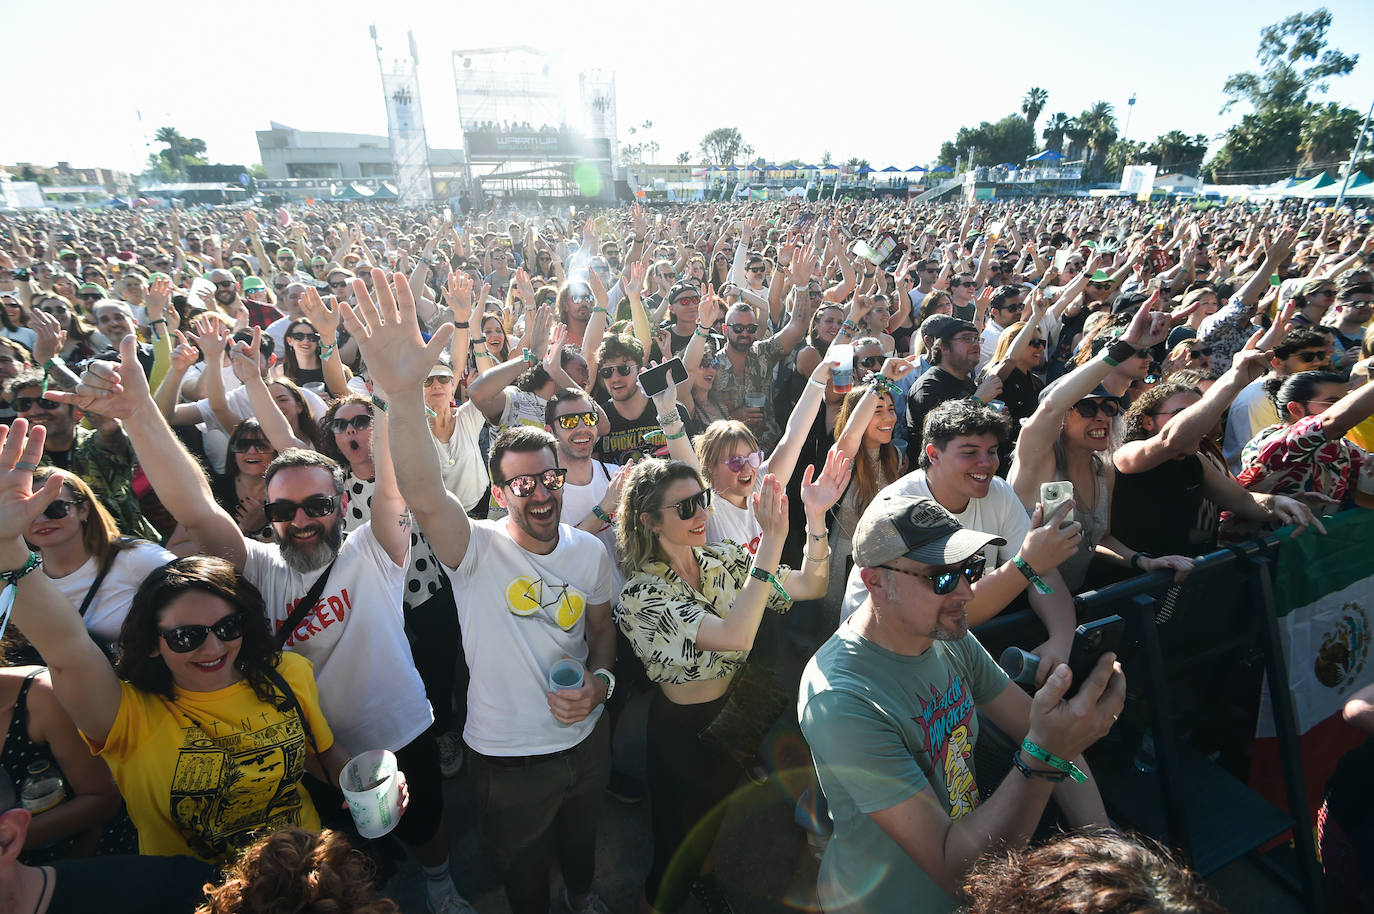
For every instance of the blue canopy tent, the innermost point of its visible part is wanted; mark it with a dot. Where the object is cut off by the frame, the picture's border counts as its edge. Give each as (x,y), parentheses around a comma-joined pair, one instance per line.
(866,170)
(891,168)
(1049,155)
(917,168)
(942,168)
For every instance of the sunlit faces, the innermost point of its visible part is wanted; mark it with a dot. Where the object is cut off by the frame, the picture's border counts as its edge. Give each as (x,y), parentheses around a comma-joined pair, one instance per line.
(286,401)
(252,453)
(55,417)
(114,321)
(307,543)
(352,430)
(908,599)
(734,474)
(47,531)
(537,514)
(579,441)
(494,333)
(619,375)
(961,352)
(1089,423)
(210,666)
(883,421)
(668,523)
(966,466)
(9,365)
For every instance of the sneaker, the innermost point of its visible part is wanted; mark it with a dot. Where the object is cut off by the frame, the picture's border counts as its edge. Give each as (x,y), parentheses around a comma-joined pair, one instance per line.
(592,905)
(624,787)
(451,754)
(450,902)
(706,889)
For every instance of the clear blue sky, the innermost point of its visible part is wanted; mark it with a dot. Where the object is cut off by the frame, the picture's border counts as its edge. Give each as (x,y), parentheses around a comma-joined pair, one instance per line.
(888,81)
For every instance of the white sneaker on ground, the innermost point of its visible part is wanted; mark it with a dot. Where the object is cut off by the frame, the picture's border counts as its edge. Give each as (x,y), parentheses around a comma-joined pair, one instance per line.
(451,753)
(450,902)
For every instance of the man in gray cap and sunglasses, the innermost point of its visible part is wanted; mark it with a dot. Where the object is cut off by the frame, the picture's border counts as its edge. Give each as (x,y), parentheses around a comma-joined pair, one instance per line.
(888,708)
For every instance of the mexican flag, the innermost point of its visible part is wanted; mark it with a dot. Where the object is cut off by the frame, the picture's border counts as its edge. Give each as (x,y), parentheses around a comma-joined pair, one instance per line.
(1324,598)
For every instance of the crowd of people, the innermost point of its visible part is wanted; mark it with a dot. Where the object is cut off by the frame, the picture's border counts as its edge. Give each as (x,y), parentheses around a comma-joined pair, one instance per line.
(278,488)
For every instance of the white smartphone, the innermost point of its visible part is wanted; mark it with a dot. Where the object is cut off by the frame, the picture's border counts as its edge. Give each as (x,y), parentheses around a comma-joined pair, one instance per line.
(1054,494)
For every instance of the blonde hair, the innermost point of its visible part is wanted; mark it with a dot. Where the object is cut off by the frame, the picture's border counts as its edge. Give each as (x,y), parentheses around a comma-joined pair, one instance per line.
(718,440)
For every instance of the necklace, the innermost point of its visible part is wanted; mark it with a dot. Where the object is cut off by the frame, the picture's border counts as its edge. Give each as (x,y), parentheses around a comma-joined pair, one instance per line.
(43,891)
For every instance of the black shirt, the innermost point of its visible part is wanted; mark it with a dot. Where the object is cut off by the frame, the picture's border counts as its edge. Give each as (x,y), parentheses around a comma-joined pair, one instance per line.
(1156,511)
(930,390)
(130,885)
(626,435)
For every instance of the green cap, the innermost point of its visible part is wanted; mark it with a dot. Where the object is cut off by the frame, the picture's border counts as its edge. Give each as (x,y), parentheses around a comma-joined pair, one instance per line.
(89,287)
(65,252)
(1090,245)
(1100,276)
(253,284)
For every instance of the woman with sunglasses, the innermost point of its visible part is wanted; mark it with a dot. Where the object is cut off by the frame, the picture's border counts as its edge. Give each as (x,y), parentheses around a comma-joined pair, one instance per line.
(14,320)
(82,338)
(1019,360)
(1188,353)
(211,728)
(87,559)
(691,610)
(1069,437)
(301,363)
(241,489)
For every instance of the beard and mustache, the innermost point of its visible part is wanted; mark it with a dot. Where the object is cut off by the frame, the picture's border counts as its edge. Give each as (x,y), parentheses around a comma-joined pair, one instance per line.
(313,557)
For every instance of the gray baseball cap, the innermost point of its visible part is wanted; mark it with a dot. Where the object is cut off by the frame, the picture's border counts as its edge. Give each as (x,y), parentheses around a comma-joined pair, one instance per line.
(909,526)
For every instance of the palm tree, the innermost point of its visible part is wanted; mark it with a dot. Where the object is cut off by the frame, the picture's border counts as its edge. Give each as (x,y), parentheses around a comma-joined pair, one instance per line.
(175,143)
(1055,129)
(1099,122)
(1033,104)
(1077,133)
(1328,133)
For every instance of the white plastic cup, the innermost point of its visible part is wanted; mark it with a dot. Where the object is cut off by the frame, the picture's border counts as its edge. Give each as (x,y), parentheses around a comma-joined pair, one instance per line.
(373,790)
(756,401)
(565,674)
(842,376)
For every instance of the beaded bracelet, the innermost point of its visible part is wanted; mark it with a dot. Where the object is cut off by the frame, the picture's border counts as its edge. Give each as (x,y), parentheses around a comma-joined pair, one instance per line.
(670,418)
(11,590)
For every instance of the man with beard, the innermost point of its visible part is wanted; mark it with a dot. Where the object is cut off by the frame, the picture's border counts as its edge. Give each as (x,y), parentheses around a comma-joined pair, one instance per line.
(744,381)
(887,706)
(540,755)
(619,361)
(353,632)
(957,348)
(115,320)
(260,313)
(101,456)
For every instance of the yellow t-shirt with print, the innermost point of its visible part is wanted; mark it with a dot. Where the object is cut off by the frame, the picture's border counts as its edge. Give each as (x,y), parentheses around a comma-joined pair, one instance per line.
(206,772)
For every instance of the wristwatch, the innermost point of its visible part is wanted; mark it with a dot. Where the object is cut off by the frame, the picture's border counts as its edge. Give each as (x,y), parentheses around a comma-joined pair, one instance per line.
(607,677)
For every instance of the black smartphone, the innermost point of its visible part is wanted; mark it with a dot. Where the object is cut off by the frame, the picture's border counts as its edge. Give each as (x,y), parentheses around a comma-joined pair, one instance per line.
(654,381)
(1090,641)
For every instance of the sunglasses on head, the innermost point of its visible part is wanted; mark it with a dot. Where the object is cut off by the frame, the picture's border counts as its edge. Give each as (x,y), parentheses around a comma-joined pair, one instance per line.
(1089,409)
(244,445)
(737,463)
(61,507)
(24,404)
(944,582)
(744,328)
(185,638)
(360,421)
(569,421)
(689,506)
(281,511)
(523,485)
(301,336)
(610,371)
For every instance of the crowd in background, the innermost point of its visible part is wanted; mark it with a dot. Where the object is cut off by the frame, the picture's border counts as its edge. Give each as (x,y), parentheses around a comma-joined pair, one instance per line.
(283,486)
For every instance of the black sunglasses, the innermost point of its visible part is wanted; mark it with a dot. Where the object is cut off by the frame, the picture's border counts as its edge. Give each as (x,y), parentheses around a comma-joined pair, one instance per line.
(24,404)
(360,421)
(185,638)
(90,296)
(1309,357)
(944,582)
(1089,409)
(570,420)
(1198,353)
(300,337)
(244,445)
(61,507)
(523,485)
(689,506)
(281,511)
(744,328)
(868,361)
(609,371)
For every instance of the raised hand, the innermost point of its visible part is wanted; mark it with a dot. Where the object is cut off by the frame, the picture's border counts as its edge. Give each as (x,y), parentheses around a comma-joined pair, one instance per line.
(524,287)
(211,336)
(898,367)
(51,336)
(770,508)
(709,311)
(553,358)
(1147,328)
(820,493)
(19,504)
(322,317)
(388,333)
(115,390)
(246,361)
(184,355)
(635,282)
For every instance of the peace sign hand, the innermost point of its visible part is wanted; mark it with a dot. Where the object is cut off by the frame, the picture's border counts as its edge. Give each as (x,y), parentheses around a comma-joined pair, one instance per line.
(21,449)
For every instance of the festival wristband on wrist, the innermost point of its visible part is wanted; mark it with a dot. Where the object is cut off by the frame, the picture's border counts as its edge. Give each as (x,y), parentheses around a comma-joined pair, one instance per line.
(602,516)
(1024,567)
(706,335)
(1028,772)
(1054,761)
(327,351)
(770,578)
(1119,352)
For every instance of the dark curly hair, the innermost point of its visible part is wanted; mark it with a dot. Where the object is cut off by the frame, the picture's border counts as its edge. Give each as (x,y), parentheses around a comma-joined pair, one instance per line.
(328,446)
(294,870)
(1092,871)
(140,663)
(956,418)
(1133,423)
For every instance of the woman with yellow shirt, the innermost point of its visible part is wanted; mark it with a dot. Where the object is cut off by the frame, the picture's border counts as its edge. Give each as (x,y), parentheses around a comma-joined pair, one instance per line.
(206,725)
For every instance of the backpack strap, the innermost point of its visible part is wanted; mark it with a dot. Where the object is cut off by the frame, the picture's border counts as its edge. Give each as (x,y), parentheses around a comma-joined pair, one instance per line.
(303,606)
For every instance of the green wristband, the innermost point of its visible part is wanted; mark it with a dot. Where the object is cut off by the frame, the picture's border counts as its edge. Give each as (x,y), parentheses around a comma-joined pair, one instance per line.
(1025,568)
(1053,760)
(770,578)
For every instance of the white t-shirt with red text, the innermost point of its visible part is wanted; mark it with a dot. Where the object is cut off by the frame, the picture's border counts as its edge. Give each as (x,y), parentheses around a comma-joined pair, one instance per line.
(370,691)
